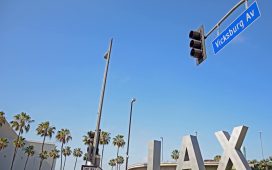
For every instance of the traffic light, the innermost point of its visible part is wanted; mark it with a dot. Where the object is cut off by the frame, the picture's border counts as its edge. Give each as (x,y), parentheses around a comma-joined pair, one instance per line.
(197,44)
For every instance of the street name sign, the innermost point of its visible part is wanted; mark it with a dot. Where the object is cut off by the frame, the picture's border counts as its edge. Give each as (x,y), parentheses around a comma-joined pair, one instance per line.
(236,27)
(87,167)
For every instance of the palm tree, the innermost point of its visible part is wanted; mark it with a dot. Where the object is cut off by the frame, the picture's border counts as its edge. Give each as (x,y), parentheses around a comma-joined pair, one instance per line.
(29,151)
(255,164)
(77,153)
(104,140)
(2,118)
(54,154)
(3,143)
(119,161)
(175,155)
(19,142)
(85,158)
(66,152)
(88,139)
(20,123)
(119,142)
(43,155)
(217,158)
(262,165)
(63,136)
(45,130)
(254,161)
(112,163)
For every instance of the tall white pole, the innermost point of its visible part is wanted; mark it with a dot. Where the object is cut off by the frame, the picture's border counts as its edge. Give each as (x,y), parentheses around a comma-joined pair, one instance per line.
(99,113)
(162,149)
(261,140)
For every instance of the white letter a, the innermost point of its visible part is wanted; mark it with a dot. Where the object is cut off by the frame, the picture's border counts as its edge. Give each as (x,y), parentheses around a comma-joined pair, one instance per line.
(190,156)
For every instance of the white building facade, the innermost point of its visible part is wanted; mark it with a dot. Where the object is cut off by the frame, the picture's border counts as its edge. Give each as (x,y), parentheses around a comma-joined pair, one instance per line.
(33,163)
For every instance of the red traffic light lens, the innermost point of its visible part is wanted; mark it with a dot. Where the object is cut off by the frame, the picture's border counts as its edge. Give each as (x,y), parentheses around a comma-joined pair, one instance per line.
(195,35)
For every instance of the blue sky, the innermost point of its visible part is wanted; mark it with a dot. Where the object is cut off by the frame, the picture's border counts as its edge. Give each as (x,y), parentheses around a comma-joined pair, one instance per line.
(52,66)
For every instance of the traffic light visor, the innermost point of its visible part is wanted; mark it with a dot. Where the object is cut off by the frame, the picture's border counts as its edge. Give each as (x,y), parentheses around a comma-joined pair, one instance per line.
(196,53)
(195,35)
(195,44)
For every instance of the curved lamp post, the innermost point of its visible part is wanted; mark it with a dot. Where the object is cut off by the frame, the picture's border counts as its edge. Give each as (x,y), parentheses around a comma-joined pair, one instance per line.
(129,126)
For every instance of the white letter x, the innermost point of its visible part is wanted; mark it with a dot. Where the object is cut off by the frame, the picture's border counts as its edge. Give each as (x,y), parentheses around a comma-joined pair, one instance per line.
(231,145)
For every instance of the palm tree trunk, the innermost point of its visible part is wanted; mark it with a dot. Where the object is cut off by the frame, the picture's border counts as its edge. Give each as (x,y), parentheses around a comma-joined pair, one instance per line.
(117,152)
(117,157)
(43,141)
(75,164)
(41,164)
(41,152)
(102,156)
(13,158)
(52,164)
(61,156)
(15,149)
(26,162)
(64,162)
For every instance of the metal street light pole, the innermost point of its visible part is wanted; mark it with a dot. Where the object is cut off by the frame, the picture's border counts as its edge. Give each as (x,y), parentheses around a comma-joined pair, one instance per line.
(97,130)
(129,127)
(162,149)
(261,144)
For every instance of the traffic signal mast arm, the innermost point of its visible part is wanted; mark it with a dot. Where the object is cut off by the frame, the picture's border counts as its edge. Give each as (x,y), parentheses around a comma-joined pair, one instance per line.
(226,16)
(197,43)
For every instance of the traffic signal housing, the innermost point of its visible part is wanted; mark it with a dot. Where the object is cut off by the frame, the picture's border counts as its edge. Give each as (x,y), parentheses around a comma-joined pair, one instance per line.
(197,44)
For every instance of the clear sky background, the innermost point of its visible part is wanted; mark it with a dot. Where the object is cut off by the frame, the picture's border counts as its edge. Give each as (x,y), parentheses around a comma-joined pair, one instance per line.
(51,55)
